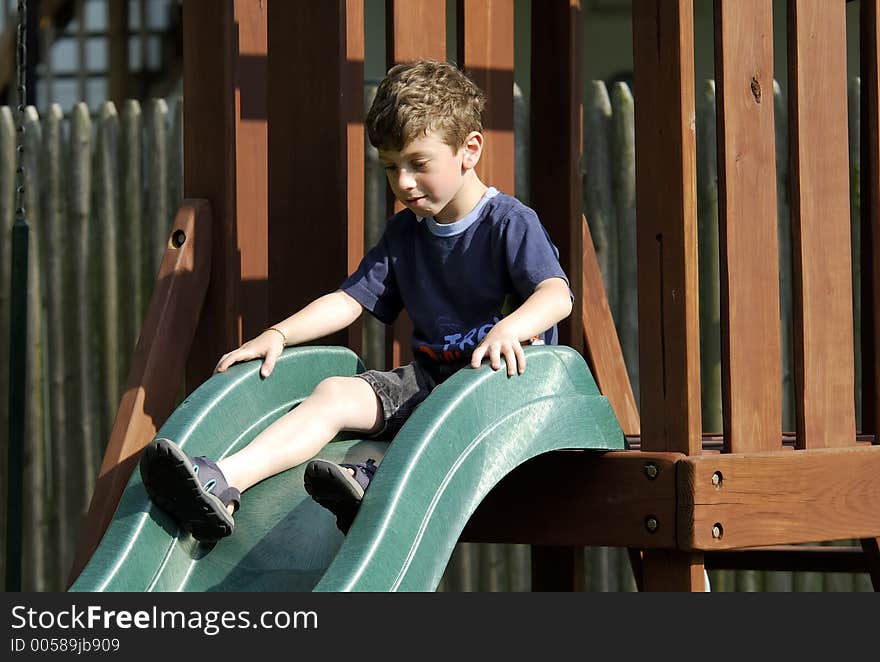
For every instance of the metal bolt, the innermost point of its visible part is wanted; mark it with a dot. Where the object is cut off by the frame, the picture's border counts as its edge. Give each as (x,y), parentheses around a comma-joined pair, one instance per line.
(652,470)
(717,478)
(652,524)
(717,531)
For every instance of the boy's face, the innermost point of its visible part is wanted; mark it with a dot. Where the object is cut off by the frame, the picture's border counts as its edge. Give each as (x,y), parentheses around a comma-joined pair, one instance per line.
(427,174)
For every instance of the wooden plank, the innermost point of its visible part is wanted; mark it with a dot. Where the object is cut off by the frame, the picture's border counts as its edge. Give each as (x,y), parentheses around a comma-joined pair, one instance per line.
(870,205)
(669,338)
(602,344)
(485,45)
(607,502)
(670,570)
(315,153)
(209,169)
(252,176)
(820,224)
(772,498)
(751,362)
(556,139)
(159,361)
(414,29)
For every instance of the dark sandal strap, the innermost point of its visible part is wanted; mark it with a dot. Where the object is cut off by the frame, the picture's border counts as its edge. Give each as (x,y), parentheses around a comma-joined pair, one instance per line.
(221,489)
(363,471)
(231,495)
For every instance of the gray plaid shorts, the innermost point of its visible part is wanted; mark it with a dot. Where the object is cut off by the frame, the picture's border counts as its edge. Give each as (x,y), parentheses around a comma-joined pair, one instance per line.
(403,389)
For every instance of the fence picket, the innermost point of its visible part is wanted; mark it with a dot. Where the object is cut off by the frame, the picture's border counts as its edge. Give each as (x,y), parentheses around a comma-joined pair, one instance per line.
(7,217)
(106,200)
(157,220)
(82,337)
(58,293)
(623,149)
(597,190)
(131,247)
(35,540)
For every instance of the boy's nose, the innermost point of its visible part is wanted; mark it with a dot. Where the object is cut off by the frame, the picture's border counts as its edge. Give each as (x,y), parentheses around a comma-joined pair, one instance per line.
(406,181)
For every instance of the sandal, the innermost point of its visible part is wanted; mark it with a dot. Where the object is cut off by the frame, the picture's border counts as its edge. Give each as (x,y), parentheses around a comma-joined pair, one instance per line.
(192,490)
(331,486)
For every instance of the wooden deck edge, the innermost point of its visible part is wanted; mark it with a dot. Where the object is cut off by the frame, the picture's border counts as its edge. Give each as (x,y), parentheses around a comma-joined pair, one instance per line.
(734,501)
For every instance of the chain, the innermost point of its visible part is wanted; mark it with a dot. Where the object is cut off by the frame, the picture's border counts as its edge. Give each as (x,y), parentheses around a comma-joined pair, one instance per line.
(21,89)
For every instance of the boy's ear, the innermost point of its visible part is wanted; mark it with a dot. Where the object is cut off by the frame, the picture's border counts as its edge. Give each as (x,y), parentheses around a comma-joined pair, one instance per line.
(473,148)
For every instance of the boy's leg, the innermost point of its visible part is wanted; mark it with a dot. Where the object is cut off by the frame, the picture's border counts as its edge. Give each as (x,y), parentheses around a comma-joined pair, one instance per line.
(336,404)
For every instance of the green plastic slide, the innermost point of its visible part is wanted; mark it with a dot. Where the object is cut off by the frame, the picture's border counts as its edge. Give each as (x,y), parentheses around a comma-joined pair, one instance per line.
(473,429)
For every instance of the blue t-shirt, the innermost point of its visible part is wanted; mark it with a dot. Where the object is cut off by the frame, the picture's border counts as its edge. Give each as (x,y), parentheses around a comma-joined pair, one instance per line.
(456,280)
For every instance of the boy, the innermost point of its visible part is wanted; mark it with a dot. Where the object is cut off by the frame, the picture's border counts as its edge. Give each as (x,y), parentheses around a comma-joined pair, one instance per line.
(459,258)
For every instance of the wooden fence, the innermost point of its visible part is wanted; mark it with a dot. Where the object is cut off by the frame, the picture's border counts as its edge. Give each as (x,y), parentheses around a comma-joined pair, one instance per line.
(101,197)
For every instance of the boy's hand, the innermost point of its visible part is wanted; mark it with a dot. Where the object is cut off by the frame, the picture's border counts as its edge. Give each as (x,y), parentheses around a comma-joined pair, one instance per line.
(267,345)
(497,343)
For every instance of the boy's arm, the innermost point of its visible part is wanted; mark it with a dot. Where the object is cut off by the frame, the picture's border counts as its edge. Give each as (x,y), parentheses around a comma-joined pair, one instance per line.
(323,316)
(547,305)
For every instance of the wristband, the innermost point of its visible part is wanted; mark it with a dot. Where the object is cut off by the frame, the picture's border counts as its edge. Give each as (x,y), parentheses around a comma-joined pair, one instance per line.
(283,337)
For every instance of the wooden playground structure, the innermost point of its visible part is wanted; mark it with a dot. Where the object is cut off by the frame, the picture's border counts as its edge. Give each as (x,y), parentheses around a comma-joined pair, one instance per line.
(273,218)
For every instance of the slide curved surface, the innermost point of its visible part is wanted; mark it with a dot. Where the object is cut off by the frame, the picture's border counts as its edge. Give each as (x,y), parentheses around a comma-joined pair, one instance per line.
(472,430)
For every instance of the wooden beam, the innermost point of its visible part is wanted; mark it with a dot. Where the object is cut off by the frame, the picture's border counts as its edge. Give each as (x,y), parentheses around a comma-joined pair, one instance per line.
(602,344)
(746,500)
(666,203)
(670,570)
(156,368)
(616,499)
(557,140)
(252,169)
(415,29)
(315,153)
(485,44)
(210,169)
(751,363)
(820,221)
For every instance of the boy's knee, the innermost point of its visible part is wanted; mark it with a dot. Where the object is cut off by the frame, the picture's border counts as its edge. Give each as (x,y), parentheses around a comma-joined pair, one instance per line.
(345,402)
(331,387)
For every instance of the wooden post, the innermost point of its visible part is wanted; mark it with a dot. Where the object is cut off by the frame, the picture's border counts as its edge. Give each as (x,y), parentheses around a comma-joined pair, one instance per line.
(252,176)
(750,329)
(485,52)
(210,169)
(669,342)
(555,187)
(669,334)
(415,29)
(555,190)
(316,158)
(820,224)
